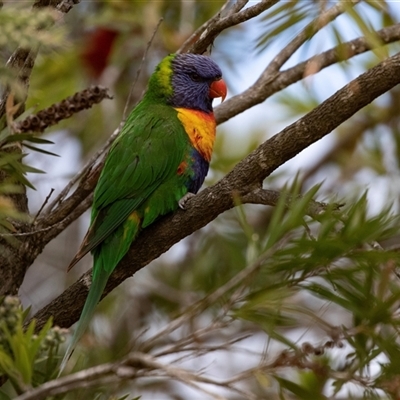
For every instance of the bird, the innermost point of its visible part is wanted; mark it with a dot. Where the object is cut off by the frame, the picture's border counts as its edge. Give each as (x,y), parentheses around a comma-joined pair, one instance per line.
(158,161)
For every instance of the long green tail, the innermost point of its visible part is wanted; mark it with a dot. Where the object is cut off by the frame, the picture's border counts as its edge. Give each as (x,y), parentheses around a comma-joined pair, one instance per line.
(99,281)
(106,257)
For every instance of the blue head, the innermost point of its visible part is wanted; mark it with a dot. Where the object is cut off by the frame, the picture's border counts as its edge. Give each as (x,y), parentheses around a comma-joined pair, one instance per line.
(193,78)
(188,81)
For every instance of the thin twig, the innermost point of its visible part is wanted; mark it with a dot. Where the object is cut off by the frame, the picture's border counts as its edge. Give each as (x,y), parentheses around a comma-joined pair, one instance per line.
(139,70)
(307,33)
(43,205)
(193,340)
(57,227)
(65,384)
(30,233)
(182,375)
(218,24)
(270,197)
(188,43)
(134,366)
(71,217)
(238,6)
(210,299)
(87,167)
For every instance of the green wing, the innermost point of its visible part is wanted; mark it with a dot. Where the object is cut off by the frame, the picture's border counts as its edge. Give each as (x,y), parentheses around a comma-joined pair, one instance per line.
(148,152)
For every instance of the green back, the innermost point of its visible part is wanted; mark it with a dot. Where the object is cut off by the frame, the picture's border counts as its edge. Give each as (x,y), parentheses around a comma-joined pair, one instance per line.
(152,135)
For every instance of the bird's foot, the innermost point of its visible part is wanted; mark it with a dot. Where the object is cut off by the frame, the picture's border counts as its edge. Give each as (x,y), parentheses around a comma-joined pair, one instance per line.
(182,202)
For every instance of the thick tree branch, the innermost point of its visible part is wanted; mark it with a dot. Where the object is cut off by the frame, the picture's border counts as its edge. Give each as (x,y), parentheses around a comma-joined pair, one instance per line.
(207,33)
(246,177)
(269,84)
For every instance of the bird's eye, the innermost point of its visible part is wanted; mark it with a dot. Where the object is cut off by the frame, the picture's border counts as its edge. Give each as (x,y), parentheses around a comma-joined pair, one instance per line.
(195,77)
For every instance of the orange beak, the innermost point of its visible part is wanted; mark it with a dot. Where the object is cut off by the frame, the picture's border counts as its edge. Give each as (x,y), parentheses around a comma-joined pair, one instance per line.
(218,89)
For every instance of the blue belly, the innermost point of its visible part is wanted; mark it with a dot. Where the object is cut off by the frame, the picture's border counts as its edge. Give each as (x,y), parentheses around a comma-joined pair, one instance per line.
(199,167)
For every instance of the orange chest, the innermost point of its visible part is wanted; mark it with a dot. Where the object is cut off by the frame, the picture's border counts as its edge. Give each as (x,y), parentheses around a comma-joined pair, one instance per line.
(200,127)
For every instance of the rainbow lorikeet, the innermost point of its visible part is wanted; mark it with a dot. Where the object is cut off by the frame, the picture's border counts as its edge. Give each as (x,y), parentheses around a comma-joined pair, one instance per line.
(160,158)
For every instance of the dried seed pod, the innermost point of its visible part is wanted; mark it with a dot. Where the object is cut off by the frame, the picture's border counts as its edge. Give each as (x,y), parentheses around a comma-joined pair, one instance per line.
(66,108)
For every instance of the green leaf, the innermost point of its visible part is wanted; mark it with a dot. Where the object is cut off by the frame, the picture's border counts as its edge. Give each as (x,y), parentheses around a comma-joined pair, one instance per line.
(40,150)
(282,18)
(28,168)
(4,396)
(368,31)
(298,390)
(36,139)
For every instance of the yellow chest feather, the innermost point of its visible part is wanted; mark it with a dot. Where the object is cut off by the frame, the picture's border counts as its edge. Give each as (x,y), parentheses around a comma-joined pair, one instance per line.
(200,127)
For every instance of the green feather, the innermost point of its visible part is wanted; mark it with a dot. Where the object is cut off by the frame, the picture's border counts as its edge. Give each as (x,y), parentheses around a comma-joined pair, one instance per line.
(154,136)
(99,281)
(139,183)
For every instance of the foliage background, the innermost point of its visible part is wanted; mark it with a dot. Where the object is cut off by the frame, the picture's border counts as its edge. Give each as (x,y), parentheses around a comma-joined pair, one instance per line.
(313,311)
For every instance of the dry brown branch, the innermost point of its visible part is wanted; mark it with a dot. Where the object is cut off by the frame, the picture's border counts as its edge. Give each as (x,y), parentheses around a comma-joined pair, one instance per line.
(139,70)
(85,171)
(136,365)
(65,109)
(271,198)
(202,304)
(199,31)
(206,34)
(140,365)
(267,85)
(236,7)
